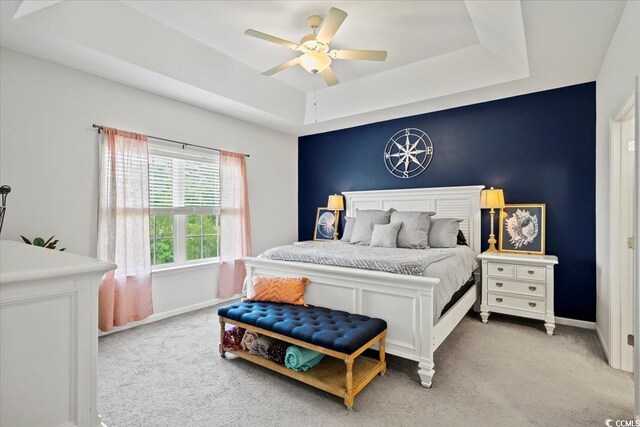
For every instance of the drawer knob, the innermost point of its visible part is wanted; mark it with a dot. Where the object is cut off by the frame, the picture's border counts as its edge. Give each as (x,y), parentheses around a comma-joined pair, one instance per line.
(530,271)
(498,284)
(498,299)
(532,288)
(500,269)
(532,304)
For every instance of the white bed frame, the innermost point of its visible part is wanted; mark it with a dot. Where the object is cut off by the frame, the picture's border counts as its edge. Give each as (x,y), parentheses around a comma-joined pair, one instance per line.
(405,302)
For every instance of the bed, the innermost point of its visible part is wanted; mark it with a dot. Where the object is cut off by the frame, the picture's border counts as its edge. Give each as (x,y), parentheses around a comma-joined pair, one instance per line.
(409,303)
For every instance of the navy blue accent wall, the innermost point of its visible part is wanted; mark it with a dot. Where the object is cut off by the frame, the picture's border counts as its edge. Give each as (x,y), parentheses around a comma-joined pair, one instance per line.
(538,147)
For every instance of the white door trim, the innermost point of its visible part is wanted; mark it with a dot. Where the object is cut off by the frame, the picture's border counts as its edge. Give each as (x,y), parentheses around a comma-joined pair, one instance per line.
(636,272)
(616,240)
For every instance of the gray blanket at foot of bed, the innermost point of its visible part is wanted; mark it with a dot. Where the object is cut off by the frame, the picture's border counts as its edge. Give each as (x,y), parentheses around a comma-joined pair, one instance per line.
(411,262)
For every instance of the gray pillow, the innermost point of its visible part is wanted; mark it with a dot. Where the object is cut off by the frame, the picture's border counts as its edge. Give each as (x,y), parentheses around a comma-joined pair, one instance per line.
(385,236)
(365,220)
(414,233)
(443,232)
(348,228)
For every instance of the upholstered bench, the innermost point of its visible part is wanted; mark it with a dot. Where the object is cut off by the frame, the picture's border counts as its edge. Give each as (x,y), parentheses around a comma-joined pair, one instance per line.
(338,334)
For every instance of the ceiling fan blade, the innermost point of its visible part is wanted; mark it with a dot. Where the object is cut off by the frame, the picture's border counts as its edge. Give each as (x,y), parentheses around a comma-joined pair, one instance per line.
(329,78)
(281,67)
(272,39)
(330,25)
(368,55)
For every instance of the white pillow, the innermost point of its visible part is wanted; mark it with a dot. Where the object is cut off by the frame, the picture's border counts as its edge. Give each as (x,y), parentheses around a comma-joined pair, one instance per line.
(443,232)
(365,220)
(385,236)
(348,228)
(414,233)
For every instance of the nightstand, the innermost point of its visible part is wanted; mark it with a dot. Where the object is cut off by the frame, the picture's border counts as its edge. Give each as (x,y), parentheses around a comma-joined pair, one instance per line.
(519,285)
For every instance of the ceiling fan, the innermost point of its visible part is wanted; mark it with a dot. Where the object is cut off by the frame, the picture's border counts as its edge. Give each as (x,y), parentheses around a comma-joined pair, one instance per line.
(316,56)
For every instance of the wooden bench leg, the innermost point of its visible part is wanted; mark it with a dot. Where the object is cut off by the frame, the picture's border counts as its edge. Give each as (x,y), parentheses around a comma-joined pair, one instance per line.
(221,346)
(382,356)
(349,396)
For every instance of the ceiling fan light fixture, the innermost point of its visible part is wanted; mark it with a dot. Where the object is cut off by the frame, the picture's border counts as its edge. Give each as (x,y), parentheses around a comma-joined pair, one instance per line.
(315,62)
(316,55)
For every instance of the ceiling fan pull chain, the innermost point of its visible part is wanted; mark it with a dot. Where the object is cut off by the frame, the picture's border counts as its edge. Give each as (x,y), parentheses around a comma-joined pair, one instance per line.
(315,105)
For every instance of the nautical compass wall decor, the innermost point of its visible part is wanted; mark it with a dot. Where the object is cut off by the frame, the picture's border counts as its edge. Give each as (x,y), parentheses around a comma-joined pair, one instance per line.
(408,153)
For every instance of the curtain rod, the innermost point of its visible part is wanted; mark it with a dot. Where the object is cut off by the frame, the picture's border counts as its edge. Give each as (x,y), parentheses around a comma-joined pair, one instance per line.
(184,144)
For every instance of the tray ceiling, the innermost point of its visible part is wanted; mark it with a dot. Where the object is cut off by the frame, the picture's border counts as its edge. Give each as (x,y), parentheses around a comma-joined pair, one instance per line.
(196,52)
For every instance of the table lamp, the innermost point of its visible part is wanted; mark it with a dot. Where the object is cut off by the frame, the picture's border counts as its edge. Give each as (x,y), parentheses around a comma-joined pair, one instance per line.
(336,204)
(492,199)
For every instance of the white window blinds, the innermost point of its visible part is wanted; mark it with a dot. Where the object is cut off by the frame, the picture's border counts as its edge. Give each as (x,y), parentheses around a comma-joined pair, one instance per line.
(183,184)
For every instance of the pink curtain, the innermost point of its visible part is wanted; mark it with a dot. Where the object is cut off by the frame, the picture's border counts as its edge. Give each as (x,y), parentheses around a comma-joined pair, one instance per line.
(235,230)
(123,228)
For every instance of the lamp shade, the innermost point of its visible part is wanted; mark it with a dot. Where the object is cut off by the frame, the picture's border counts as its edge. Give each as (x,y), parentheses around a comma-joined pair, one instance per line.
(335,203)
(491,199)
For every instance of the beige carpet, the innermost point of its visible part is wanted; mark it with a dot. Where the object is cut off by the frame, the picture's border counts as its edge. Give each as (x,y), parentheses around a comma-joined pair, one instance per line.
(508,372)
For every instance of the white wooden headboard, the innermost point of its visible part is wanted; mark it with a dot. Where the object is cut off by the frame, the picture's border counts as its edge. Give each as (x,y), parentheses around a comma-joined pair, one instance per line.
(446,202)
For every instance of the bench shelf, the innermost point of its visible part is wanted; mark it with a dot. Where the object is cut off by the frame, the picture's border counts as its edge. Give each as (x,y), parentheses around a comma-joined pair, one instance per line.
(340,374)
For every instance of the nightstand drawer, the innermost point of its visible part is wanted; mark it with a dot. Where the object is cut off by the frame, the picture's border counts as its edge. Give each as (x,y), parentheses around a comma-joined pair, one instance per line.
(515,287)
(502,270)
(516,303)
(531,273)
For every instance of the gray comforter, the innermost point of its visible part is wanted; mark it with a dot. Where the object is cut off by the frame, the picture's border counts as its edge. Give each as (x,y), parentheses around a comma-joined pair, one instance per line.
(411,262)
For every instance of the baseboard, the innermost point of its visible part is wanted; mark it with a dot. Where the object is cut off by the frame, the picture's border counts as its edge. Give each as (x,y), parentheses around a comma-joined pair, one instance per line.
(576,323)
(603,344)
(175,312)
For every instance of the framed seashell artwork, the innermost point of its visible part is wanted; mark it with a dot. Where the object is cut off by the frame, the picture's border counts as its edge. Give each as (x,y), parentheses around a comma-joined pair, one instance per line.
(522,228)
(326,224)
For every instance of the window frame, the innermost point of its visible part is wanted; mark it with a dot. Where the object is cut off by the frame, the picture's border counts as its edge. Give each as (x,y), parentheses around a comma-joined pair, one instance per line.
(180,213)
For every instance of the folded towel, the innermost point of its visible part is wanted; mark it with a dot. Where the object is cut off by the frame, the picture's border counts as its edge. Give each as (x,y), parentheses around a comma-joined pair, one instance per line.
(248,339)
(278,351)
(261,346)
(232,339)
(301,359)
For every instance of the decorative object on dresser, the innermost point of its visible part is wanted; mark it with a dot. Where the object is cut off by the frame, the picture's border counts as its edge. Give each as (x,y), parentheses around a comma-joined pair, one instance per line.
(336,203)
(408,153)
(326,224)
(492,199)
(39,241)
(49,335)
(4,190)
(519,285)
(523,228)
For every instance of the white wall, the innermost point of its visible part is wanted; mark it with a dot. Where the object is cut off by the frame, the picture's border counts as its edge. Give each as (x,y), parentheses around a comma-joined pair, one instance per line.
(49,156)
(615,81)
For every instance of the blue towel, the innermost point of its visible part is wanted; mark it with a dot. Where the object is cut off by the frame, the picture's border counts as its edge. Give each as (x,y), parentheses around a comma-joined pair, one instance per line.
(301,359)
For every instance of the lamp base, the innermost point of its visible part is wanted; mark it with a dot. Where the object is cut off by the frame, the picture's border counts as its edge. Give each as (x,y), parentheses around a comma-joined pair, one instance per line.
(336,215)
(492,237)
(492,248)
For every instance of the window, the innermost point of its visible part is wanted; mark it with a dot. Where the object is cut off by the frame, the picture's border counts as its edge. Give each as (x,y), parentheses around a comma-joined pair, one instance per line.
(184,195)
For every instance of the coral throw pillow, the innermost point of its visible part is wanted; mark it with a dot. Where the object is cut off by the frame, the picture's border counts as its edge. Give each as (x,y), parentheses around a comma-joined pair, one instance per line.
(279,289)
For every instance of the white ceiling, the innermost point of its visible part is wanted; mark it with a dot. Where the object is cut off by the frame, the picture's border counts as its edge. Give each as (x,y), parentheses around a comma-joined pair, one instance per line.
(409,31)
(442,54)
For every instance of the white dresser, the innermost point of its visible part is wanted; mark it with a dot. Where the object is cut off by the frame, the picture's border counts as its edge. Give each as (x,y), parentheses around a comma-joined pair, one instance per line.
(48,336)
(519,285)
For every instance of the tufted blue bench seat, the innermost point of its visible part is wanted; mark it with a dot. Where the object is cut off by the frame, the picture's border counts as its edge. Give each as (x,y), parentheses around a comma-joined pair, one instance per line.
(333,329)
(335,333)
